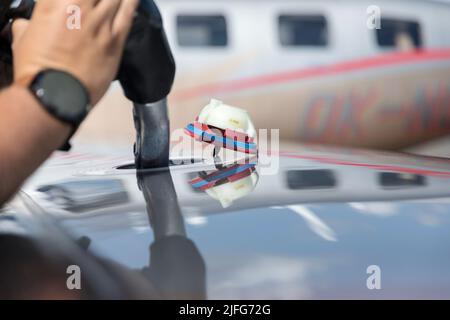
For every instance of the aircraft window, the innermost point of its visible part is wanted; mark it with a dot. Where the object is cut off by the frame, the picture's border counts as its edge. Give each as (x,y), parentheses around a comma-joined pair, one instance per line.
(311,179)
(399,34)
(398,180)
(202,31)
(303,30)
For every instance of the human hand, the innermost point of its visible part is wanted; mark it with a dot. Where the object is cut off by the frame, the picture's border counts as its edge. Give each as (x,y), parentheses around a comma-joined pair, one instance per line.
(91,53)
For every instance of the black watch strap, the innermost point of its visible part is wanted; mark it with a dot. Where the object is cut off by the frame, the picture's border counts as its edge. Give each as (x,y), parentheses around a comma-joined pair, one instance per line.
(63,96)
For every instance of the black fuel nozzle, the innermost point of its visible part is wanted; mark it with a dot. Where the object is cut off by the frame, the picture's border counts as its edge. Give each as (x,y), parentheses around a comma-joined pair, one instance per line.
(146,74)
(152,126)
(147,70)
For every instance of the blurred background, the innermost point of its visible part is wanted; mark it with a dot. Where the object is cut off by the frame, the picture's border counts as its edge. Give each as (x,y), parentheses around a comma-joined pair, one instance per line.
(372,74)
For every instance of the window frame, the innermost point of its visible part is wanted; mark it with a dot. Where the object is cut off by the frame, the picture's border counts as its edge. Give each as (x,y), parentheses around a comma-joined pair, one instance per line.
(321,15)
(409,20)
(388,180)
(327,179)
(220,15)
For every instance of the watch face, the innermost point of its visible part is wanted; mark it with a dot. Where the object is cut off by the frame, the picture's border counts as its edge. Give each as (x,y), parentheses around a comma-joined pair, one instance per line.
(63,95)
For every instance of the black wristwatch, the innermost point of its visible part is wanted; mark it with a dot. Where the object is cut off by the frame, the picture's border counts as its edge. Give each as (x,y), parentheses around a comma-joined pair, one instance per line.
(63,96)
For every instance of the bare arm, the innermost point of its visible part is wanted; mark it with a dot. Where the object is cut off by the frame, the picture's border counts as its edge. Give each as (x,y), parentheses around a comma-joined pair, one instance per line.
(28,135)
(92,54)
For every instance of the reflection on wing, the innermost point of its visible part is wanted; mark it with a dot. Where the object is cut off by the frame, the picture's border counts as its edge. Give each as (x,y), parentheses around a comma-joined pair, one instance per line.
(315,223)
(228,183)
(84,195)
